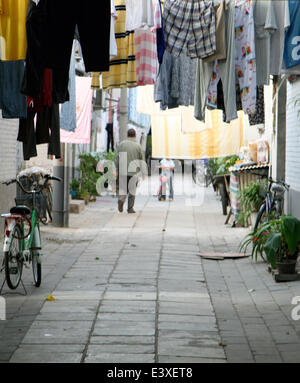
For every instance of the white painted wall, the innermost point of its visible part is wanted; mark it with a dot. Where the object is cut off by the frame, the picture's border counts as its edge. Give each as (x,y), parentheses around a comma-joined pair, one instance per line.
(293,148)
(293,136)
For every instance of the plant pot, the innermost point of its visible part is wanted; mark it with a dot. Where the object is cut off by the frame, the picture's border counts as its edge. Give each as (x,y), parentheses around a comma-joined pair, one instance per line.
(73,193)
(287,267)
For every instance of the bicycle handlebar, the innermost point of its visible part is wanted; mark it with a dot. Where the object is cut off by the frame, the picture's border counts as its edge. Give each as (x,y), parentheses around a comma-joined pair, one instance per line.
(272,181)
(47,178)
(51,178)
(282,183)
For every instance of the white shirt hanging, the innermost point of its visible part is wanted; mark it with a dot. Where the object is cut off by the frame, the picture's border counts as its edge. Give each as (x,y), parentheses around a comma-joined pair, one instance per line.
(113,49)
(139,14)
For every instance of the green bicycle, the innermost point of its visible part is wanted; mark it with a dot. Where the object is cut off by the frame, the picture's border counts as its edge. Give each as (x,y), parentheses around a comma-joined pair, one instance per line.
(22,240)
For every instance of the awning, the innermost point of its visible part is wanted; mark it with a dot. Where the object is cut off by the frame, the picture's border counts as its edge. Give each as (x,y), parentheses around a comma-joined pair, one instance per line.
(241,167)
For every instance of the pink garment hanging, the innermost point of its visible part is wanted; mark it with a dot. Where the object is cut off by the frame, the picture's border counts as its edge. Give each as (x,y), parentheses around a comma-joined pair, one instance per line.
(84,97)
(145,57)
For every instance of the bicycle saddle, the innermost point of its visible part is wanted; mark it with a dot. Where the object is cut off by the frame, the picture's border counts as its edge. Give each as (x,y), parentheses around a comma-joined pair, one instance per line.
(276,188)
(23,210)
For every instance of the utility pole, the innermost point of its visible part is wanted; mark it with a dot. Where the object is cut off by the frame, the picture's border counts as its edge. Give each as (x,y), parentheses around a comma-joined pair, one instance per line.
(123,114)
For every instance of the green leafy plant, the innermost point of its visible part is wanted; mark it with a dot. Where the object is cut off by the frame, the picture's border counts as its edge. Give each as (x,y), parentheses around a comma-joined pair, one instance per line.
(75,185)
(221,165)
(225,163)
(251,198)
(278,238)
(110,156)
(88,173)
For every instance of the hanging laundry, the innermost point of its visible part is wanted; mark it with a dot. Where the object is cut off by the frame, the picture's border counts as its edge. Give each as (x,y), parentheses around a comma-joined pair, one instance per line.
(265,25)
(220,53)
(162,88)
(291,55)
(36,31)
(146,51)
(113,49)
(68,109)
(160,38)
(122,69)
(95,84)
(93,21)
(281,11)
(12,102)
(245,63)
(204,73)
(190,24)
(146,57)
(139,14)
(218,101)
(12,29)
(84,97)
(110,137)
(258,117)
(176,81)
(46,130)
(277,62)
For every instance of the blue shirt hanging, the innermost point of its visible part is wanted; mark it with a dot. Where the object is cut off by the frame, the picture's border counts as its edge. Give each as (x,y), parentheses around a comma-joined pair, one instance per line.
(291,54)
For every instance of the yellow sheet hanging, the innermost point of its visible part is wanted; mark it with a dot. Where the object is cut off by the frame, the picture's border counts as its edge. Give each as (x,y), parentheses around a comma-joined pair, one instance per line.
(122,69)
(13,29)
(222,139)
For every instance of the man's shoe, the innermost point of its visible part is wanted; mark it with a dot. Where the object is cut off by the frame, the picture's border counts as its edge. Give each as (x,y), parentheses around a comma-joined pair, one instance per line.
(120,206)
(131,211)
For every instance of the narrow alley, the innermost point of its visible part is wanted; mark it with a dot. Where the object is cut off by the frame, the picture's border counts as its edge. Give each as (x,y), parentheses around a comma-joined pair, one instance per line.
(133,288)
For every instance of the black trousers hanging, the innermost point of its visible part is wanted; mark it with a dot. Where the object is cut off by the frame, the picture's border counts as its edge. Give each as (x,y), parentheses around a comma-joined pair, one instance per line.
(47,131)
(92,18)
(110,137)
(37,30)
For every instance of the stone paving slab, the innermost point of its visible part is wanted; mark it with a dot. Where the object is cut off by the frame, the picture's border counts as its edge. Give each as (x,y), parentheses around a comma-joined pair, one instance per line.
(189,347)
(189,359)
(123,340)
(44,357)
(94,355)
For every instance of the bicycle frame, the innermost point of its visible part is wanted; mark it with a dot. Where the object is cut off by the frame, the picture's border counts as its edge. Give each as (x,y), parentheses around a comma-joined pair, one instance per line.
(32,241)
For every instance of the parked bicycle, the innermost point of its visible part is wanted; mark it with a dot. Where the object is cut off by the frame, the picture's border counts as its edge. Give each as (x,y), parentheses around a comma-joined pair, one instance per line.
(272,206)
(22,240)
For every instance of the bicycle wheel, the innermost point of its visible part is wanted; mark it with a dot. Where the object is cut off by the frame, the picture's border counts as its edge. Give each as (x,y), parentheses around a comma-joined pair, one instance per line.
(13,261)
(36,268)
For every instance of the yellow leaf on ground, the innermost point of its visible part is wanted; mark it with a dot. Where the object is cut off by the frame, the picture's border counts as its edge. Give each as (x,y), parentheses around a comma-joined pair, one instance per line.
(50,298)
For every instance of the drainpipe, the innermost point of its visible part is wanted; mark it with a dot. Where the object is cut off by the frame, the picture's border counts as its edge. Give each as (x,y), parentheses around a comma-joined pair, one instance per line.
(61,169)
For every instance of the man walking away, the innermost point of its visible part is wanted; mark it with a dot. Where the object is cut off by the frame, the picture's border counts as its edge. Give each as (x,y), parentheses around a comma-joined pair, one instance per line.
(129,161)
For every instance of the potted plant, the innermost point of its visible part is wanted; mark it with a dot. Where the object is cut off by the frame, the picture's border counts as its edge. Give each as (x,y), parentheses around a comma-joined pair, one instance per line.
(279,240)
(74,188)
(251,199)
(88,175)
